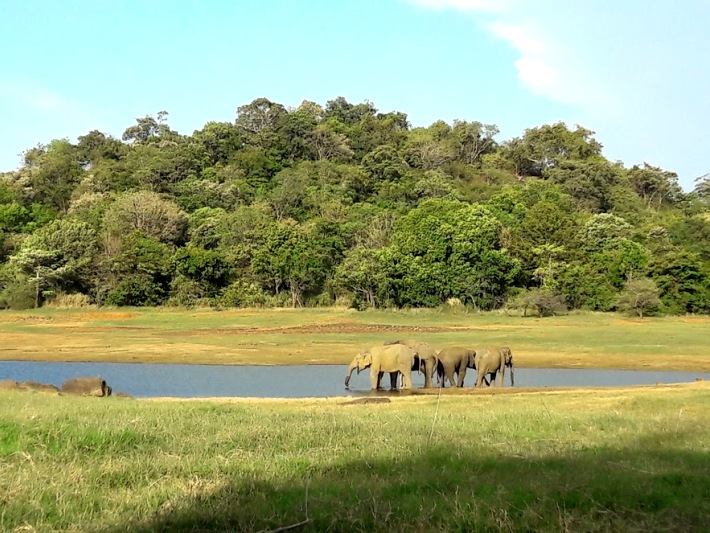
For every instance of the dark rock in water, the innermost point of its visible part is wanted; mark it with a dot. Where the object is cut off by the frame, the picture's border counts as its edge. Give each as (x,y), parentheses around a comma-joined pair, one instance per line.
(374,399)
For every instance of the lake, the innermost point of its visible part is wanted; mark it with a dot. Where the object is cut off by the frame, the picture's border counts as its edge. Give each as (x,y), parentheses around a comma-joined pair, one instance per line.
(298,381)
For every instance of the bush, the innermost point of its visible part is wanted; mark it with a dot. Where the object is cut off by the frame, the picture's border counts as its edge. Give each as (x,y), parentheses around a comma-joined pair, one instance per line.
(544,302)
(185,292)
(640,296)
(69,301)
(244,294)
(324,299)
(18,292)
(136,291)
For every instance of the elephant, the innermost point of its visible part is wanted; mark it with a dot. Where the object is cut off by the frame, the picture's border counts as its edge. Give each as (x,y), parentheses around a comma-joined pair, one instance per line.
(393,358)
(426,355)
(492,360)
(455,361)
(87,386)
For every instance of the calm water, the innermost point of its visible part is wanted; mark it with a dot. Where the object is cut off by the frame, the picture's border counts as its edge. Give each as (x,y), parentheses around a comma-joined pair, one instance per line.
(193,381)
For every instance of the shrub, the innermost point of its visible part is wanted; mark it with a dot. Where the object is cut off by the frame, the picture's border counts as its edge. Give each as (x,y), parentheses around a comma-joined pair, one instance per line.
(69,301)
(640,296)
(136,291)
(243,294)
(543,301)
(185,292)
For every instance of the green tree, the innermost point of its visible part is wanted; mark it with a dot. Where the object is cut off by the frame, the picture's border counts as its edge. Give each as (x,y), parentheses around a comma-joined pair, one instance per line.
(683,281)
(363,274)
(208,268)
(137,274)
(52,172)
(640,296)
(655,186)
(57,256)
(294,257)
(543,148)
(446,249)
(149,213)
(149,129)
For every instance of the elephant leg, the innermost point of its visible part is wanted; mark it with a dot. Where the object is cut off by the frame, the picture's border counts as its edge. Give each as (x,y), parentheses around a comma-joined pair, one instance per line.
(428,376)
(502,376)
(406,380)
(493,377)
(375,379)
(462,375)
(393,380)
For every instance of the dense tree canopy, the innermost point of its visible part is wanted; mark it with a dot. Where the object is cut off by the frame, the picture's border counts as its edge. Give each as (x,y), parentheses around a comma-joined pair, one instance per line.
(342,203)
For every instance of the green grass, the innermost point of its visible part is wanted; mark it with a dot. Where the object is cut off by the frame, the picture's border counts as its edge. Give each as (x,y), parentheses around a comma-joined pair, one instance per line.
(591,340)
(612,460)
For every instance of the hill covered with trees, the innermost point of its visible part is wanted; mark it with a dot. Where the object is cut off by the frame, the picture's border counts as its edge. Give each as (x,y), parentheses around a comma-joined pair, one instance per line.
(345,204)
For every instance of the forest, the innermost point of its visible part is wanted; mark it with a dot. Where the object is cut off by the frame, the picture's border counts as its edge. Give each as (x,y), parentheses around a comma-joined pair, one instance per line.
(345,205)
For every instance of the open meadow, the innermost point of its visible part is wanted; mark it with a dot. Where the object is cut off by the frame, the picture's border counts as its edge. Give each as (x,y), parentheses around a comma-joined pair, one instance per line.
(604,459)
(324,336)
(633,459)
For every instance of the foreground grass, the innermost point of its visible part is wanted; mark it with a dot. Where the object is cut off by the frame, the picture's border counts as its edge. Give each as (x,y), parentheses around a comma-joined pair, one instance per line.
(333,336)
(613,460)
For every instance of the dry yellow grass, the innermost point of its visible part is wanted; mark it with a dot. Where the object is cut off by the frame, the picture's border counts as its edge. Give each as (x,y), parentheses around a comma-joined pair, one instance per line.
(333,336)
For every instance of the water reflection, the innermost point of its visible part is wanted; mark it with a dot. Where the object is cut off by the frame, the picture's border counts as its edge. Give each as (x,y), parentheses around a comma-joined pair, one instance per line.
(299,381)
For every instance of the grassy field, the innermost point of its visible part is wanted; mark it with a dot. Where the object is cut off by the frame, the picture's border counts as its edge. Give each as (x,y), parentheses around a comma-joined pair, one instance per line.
(613,460)
(297,336)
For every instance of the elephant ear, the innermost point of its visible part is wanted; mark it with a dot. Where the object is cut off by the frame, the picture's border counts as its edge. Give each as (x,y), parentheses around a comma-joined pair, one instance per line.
(508,356)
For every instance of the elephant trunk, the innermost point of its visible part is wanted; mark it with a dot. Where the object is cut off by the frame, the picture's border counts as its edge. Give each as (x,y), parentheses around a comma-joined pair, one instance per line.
(512,378)
(351,367)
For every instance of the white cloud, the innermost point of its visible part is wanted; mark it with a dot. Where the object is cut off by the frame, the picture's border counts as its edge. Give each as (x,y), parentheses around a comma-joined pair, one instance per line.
(544,66)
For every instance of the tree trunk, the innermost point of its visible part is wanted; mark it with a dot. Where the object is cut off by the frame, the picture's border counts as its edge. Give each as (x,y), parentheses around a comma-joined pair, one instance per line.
(37,289)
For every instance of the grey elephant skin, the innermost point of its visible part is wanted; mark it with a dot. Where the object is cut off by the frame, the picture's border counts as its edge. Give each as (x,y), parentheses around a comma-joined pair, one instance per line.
(455,360)
(87,386)
(490,361)
(426,355)
(384,359)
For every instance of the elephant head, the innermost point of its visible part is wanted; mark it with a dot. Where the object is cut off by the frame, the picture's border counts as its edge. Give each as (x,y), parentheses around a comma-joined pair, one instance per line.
(508,361)
(360,362)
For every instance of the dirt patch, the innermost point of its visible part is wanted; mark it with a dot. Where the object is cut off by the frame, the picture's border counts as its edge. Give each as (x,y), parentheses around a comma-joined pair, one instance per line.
(104,316)
(26,318)
(315,329)
(81,327)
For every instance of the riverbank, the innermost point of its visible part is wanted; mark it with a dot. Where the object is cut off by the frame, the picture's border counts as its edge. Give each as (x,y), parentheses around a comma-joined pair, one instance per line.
(333,336)
(604,460)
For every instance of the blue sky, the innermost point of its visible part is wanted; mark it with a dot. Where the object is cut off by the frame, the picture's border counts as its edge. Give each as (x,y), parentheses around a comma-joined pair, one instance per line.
(635,72)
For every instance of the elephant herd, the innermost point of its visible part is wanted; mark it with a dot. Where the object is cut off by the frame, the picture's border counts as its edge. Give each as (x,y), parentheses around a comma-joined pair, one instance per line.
(401,357)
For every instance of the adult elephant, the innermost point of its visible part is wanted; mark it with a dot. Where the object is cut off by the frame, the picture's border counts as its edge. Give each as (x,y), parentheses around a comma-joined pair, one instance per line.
(490,361)
(87,386)
(381,359)
(427,358)
(453,361)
